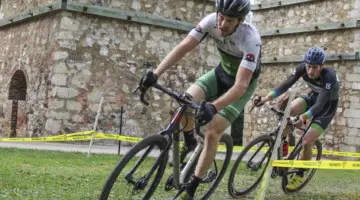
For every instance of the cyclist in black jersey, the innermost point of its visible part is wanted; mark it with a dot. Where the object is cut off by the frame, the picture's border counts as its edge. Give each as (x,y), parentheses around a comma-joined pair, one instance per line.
(320,104)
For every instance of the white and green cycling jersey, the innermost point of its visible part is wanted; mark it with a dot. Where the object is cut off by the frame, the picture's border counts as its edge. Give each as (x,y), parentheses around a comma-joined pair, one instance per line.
(241,49)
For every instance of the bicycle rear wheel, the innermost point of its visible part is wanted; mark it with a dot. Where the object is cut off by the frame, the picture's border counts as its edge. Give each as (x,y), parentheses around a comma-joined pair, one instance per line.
(308,174)
(138,173)
(249,167)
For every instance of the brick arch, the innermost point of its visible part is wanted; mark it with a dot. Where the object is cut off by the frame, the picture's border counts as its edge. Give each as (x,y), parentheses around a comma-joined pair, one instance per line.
(17,92)
(18,86)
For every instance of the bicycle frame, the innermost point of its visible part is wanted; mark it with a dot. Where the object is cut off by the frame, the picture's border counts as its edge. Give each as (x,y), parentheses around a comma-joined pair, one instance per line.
(172,133)
(294,152)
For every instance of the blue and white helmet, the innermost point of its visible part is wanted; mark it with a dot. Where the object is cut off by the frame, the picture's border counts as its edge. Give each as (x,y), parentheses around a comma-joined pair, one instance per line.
(315,56)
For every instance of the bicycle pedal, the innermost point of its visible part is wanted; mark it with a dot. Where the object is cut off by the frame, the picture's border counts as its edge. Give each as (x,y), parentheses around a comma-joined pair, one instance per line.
(274,172)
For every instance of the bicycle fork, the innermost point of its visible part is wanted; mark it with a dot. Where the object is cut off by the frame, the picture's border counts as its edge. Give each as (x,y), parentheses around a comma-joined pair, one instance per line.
(142,182)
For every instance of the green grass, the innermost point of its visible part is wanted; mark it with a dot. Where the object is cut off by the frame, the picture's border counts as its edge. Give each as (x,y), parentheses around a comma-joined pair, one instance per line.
(40,175)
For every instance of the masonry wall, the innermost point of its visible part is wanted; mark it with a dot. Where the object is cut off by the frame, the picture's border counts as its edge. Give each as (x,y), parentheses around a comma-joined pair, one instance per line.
(91,58)
(188,10)
(27,47)
(312,12)
(11,7)
(102,57)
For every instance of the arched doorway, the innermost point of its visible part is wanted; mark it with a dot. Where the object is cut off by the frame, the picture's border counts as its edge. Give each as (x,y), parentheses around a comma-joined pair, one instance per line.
(17,92)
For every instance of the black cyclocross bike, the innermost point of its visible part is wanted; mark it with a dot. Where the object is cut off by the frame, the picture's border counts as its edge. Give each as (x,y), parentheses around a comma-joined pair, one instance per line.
(140,170)
(249,167)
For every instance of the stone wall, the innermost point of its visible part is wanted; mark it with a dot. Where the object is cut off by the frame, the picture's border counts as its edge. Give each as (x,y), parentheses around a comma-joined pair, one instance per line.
(27,48)
(345,41)
(80,58)
(188,10)
(306,14)
(11,7)
(90,57)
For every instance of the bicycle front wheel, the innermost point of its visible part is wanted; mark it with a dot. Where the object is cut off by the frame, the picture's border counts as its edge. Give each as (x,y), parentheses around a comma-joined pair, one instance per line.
(138,173)
(308,173)
(249,167)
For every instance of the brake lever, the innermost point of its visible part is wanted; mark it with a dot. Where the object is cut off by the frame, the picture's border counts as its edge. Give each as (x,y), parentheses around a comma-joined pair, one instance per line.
(142,96)
(257,100)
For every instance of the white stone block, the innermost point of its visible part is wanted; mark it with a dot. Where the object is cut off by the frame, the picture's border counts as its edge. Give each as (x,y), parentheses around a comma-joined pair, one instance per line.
(59,79)
(73,105)
(247,118)
(60,68)
(356,86)
(69,24)
(125,88)
(67,44)
(77,118)
(81,79)
(354,98)
(53,125)
(145,29)
(357,5)
(168,33)
(95,96)
(355,105)
(353,131)
(353,77)
(104,51)
(288,51)
(66,93)
(209,8)
(59,115)
(55,104)
(189,4)
(356,68)
(353,113)
(212,60)
(60,55)
(357,141)
(136,5)
(94,107)
(353,123)
(66,35)
(348,85)
(347,148)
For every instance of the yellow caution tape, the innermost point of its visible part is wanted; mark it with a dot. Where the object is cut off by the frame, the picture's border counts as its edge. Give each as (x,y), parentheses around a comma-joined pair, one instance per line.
(335,153)
(87,135)
(78,133)
(338,153)
(118,137)
(322,164)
